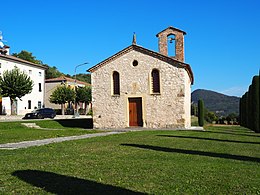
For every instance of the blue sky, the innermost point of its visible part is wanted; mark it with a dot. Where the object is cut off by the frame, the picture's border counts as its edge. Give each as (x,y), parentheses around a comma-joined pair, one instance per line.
(222,44)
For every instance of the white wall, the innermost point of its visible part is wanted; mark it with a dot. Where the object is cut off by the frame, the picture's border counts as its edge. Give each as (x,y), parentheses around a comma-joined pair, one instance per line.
(37,74)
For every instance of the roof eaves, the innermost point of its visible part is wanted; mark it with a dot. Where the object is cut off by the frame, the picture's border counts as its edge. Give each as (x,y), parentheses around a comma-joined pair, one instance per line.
(22,61)
(147,52)
(171,27)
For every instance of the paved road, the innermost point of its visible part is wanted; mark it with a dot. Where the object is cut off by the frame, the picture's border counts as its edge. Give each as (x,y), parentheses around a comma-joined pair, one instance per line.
(26,144)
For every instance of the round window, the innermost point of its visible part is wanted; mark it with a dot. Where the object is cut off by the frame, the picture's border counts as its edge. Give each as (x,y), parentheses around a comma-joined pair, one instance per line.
(135,63)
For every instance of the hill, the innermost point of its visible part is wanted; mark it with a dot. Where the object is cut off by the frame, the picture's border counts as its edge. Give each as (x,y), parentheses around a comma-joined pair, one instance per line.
(219,103)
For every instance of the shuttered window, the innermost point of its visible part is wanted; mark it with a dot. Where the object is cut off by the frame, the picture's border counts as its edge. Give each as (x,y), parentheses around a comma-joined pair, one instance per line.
(116,83)
(155,81)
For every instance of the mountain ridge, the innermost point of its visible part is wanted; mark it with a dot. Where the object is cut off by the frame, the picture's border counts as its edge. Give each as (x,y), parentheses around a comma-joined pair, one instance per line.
(219,103)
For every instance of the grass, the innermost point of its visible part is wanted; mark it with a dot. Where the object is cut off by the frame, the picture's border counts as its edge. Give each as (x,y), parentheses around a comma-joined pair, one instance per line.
(194,121)
(221,160)
(16,132)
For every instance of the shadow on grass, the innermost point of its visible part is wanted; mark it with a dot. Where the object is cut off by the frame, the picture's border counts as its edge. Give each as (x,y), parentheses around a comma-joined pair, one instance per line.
(208,139)
(249,134)
(86,123)
(195,152)
(62,184)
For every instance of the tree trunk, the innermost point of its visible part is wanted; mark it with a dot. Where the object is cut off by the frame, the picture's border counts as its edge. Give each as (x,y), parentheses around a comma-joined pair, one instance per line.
(62,109)
(13,106)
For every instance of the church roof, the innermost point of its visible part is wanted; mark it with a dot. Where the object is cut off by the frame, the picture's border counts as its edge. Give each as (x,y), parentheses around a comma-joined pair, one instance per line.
(147,52)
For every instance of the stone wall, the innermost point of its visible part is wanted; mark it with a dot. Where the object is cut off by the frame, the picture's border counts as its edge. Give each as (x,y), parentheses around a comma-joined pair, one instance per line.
(169,109)
(179,42)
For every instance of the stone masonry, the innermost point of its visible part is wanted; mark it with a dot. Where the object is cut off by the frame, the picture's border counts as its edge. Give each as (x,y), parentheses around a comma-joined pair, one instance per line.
(168,109)
(179,42)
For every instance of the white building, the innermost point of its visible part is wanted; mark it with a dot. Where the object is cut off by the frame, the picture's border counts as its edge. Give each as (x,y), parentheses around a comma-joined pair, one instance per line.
(36,72)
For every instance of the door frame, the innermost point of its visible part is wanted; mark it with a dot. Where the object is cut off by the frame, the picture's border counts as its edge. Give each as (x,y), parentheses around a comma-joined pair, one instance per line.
(143,110)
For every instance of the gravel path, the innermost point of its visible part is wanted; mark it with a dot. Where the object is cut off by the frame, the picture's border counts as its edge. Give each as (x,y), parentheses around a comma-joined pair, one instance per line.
(26,144)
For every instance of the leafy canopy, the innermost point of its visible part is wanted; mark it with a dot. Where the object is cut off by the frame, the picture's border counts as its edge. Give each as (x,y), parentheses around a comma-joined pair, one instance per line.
(83,94)
(15,84)
(62,94)
(51,72)
(25,55)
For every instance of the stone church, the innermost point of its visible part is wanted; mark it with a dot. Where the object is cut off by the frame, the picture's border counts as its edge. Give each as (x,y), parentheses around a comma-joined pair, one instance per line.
(137,87)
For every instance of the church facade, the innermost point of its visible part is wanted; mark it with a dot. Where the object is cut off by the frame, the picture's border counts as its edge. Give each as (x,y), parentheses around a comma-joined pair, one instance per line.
(138,87)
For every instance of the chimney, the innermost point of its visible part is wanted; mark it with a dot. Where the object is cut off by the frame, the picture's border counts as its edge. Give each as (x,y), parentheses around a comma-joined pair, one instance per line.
(7,49)
(164,37)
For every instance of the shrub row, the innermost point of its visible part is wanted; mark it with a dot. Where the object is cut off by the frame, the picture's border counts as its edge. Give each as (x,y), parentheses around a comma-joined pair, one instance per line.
(250,106)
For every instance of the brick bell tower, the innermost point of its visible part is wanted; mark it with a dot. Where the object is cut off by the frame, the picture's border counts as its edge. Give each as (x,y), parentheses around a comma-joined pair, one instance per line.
(170,35)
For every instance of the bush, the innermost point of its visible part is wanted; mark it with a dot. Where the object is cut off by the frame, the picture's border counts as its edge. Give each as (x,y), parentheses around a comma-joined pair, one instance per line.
(90,112)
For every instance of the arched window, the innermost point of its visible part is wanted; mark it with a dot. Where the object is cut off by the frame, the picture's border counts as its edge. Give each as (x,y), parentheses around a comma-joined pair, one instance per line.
(171,45)
(155,81)
(116,83)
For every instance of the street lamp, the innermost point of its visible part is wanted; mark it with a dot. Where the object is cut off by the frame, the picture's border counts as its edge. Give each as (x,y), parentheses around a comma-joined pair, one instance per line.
(76,114)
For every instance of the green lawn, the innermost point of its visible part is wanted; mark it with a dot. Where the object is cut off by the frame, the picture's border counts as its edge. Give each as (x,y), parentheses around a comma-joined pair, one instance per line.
(221,160)
(15,131)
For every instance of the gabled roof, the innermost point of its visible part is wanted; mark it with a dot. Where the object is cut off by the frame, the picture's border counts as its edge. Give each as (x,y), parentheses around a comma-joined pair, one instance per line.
(171,27)
(15,59)
(143,50)
(64,79)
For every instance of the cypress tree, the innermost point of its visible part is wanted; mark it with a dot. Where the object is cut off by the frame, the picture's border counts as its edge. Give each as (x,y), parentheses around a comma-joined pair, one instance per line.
(258,102)
(201,113)
(255,104)
(241,111)
(250,108)
(246,110)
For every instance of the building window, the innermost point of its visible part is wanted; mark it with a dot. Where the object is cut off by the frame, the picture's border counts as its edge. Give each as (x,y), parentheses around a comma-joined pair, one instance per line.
(155,79)
(116,83)
(29,104)
(0,65)
(30,71)
(40,74)
(40,87)
(39,104)
(135,63)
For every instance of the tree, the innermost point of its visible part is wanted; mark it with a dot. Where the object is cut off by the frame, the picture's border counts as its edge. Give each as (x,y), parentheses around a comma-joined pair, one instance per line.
(25,55)
(61,95)
(15,84)
(210,116)
(83,94)
(201,112)
(83,77)
(52,72)
(255,101)
(232,117)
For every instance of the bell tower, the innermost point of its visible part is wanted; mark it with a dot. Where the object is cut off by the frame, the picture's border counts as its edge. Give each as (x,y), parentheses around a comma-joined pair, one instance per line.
(168,36)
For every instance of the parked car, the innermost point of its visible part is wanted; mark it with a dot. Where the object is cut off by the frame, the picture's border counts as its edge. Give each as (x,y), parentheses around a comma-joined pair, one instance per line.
(40,114)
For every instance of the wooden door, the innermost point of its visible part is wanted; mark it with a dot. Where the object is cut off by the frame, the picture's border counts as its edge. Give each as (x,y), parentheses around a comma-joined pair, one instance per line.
(135,112)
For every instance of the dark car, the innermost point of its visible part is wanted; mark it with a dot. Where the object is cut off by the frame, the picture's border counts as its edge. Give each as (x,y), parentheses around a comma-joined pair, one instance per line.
(41,113)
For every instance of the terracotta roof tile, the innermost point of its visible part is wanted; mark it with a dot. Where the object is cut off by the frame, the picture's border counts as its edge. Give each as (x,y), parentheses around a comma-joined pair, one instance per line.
(63,78)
